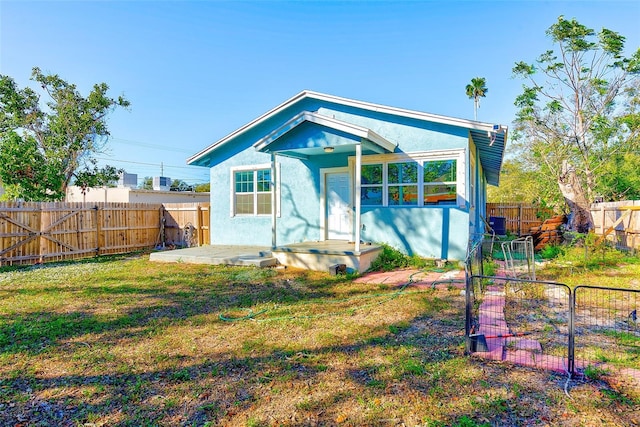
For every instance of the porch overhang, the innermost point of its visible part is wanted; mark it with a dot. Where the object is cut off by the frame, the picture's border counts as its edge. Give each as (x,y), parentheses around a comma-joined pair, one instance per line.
(347,136)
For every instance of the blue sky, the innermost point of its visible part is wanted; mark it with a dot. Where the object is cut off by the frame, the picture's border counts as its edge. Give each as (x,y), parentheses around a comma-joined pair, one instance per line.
(195,71)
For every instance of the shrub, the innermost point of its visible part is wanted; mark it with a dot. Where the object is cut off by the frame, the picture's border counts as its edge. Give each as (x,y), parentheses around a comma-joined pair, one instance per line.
(488,268)
(551,251)
(390,259)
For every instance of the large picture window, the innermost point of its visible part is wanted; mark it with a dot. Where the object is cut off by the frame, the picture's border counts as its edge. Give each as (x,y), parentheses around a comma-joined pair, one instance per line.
(410,183)
(252,192)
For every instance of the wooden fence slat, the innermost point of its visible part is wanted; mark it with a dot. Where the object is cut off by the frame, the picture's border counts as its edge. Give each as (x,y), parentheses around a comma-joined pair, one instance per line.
(519,217)
(53,231)
(618,222)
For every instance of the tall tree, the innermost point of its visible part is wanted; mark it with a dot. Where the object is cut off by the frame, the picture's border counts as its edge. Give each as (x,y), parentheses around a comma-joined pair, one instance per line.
(180,185)
(42,150)
(521,182)
(147,183)
(576,111)
(475,90)
(203,188)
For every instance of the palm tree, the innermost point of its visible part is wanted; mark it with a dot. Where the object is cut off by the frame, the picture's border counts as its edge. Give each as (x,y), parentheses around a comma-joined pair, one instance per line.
(477,89)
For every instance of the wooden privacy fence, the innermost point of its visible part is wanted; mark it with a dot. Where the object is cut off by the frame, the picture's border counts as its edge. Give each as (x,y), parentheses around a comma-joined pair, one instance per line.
(37,232)
(186,224)
(519,217)
(618,222)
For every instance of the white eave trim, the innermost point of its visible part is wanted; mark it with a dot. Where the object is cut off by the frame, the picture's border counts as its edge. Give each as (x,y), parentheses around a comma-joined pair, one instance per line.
(465,123)
(248,126)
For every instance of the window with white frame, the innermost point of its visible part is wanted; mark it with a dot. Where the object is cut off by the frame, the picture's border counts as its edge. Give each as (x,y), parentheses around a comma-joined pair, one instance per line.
(252,192)
(402,183)
(372,185)
(412,182)
(439,180)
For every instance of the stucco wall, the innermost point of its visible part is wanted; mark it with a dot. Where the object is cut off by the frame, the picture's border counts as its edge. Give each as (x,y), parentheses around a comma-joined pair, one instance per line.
(299,200)
(410,135)
(431,231)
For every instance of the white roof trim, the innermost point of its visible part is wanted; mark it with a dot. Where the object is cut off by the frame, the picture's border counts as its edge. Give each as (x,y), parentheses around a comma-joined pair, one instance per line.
(326,121)
(469,124)
(401,111)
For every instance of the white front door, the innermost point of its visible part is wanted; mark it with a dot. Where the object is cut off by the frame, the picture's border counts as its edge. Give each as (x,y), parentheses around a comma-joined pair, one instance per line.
(338,206)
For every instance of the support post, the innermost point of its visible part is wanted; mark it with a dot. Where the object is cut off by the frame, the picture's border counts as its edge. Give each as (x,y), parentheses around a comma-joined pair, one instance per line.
(468,322)
(199,231)
(356,196)
(520,220)
(571,356)
(98,222)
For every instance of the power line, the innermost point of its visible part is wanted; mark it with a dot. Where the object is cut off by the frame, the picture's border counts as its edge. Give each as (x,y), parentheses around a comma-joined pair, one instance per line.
(188,181)
(148,145)
(193,175)
(149,164)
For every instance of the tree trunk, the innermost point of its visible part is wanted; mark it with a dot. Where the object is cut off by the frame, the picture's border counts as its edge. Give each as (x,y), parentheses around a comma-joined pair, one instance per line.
(574,196)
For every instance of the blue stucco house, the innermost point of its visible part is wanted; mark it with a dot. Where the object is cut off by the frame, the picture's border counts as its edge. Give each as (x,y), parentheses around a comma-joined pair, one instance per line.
(321,168)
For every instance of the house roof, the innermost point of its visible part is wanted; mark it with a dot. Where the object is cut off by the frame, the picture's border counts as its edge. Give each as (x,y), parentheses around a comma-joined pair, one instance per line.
(489,138)
(374,142)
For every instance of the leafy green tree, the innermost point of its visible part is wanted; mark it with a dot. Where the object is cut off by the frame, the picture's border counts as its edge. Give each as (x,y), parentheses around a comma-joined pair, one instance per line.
(620,178)
(179,185)
(520,182)
(475,90)
(147,183)
(203,188)
(42,150)
(578,111)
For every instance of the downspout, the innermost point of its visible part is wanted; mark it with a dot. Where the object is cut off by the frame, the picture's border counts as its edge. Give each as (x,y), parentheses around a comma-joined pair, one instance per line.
(358,185)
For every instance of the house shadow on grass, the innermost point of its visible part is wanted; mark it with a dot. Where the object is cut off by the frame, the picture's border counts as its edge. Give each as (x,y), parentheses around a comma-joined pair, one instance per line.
(139,310)
(412,371)
(421,375)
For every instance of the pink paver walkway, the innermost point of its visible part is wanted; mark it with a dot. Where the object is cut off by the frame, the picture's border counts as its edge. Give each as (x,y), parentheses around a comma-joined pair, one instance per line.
(517,350)
(521,350)
(418,278)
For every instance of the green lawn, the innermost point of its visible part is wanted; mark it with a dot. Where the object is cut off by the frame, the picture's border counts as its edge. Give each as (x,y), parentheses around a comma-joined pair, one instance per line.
(122,341)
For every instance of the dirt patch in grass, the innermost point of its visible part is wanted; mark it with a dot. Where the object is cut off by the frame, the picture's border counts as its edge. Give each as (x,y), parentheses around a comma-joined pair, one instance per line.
(127,342)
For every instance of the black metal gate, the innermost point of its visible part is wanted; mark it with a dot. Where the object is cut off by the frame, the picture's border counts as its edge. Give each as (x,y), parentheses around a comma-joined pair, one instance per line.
(580,331)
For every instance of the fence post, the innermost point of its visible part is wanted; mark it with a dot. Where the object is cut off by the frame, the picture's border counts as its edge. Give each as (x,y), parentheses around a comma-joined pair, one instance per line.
(98,223)
(42,251)
(572,336)
(520,219)
(163,221)
(468,312)
(199,224)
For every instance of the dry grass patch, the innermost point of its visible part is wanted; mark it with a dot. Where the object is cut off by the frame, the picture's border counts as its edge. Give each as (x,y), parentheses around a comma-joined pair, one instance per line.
(126,342)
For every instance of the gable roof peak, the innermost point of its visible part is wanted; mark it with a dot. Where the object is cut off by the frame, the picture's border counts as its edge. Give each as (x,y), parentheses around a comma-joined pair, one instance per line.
(379,108)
